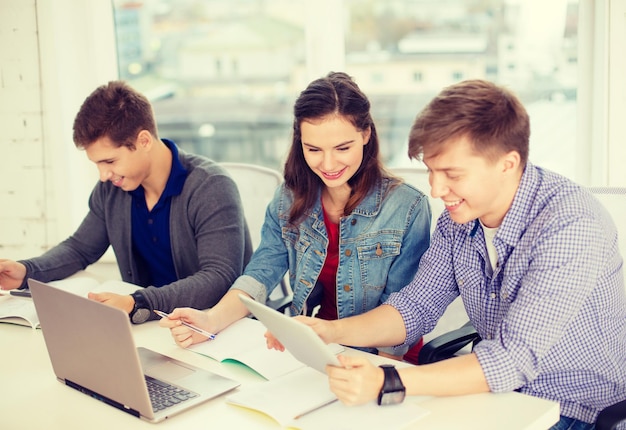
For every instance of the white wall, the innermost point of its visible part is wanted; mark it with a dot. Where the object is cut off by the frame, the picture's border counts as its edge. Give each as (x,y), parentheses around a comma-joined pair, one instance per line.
(616,173)
(53,53)
(22,175)
(602,92)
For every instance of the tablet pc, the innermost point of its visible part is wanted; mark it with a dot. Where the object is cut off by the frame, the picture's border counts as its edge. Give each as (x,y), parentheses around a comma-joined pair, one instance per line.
(298,338)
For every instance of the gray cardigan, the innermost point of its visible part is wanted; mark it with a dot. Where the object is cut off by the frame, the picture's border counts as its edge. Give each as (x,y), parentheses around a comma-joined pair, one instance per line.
(210,240)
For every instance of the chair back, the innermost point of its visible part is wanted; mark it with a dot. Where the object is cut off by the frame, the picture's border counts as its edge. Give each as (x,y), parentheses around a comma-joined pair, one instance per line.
(256,185)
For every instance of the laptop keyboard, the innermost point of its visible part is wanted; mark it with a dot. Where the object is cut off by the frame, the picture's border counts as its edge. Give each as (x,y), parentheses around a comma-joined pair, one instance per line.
(164,395)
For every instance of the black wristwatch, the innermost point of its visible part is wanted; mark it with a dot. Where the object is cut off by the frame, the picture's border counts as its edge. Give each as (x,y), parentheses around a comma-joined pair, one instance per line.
(393,390)
(141,311)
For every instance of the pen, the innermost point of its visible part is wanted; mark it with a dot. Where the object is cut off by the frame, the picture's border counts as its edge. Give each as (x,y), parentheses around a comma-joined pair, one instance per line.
(211,336)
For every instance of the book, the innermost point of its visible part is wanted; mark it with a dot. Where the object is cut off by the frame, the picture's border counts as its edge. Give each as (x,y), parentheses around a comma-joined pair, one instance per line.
(302,399)
(228,347)
(287,398)
(293,394)
(21,310)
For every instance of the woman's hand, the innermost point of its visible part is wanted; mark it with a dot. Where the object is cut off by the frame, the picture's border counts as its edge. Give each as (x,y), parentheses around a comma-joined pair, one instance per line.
(184,336)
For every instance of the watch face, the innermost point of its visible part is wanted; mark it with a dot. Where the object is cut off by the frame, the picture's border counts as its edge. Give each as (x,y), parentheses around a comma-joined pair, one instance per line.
(140,315)
(392,397)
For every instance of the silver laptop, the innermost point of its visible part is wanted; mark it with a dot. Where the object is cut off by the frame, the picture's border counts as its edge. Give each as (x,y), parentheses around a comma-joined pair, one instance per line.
(91,348)
(298,338)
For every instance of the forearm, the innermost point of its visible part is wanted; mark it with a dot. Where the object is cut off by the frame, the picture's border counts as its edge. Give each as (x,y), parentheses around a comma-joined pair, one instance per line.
(59,262)
(382,326)
(202,290)
(84,247)
(455,376)
(228,310)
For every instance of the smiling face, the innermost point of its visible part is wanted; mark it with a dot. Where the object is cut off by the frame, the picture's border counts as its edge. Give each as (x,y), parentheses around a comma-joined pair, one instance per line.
(333,148)
(124,167)
(472,185)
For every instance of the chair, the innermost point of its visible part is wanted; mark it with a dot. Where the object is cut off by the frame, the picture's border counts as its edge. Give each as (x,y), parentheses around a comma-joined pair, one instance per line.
(611,416)
(448,344)
(257,185)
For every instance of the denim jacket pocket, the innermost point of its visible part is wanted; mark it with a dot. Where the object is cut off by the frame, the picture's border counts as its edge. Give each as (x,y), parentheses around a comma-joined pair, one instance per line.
(375,259)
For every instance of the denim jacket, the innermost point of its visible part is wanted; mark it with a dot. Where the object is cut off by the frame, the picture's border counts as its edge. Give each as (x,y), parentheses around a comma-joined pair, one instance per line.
(380,246)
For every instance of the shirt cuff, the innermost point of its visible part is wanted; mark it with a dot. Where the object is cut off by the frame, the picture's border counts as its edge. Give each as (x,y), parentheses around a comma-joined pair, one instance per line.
(499,369)
(251,286)
(410,318)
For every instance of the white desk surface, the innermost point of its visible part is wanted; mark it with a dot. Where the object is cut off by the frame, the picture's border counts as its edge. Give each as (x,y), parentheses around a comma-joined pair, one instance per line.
(32,398)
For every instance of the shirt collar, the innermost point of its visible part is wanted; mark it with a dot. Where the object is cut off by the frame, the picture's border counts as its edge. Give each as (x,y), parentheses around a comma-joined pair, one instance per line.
(176,180)
(178,174)
(517,217)
(371,204)
(515,221)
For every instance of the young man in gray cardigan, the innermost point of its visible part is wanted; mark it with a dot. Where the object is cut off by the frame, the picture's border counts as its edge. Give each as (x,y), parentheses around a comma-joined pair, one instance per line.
(175,220)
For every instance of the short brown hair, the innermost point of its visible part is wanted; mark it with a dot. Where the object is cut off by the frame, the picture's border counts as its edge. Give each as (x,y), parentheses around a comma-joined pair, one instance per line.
(491,116)
(115,111)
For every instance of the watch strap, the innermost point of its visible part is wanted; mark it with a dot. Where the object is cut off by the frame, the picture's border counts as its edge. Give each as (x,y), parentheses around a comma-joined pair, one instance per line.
(141,309)
(393,390)
(140,301)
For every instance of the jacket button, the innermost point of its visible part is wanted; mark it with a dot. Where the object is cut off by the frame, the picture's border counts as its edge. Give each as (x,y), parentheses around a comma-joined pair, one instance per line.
(348,252)
(346,288)
(353,221)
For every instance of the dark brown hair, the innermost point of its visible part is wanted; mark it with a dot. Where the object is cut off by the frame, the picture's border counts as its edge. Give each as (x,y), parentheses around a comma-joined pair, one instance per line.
(492,118)
(336,93)
(115,111)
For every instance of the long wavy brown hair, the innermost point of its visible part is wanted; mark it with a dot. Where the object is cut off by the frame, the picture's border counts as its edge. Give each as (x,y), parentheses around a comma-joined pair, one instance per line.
(336,93)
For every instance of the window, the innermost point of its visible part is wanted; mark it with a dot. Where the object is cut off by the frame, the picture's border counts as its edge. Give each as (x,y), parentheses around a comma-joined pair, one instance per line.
(223,74)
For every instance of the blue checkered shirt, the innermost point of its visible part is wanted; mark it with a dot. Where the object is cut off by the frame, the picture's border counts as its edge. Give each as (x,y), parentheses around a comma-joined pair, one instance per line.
(552,315)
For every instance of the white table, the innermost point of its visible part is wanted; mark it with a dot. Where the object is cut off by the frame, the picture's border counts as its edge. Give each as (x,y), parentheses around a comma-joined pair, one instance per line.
(32,398)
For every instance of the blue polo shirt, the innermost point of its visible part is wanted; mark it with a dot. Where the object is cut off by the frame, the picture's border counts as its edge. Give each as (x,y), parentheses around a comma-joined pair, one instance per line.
(150,229)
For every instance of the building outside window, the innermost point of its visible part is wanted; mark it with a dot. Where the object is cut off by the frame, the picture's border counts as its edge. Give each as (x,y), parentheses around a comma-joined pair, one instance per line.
(223,74)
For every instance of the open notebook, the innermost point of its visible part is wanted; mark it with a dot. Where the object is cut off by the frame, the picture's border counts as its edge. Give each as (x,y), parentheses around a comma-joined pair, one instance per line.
(302,398)
(21,310)
(91,348)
